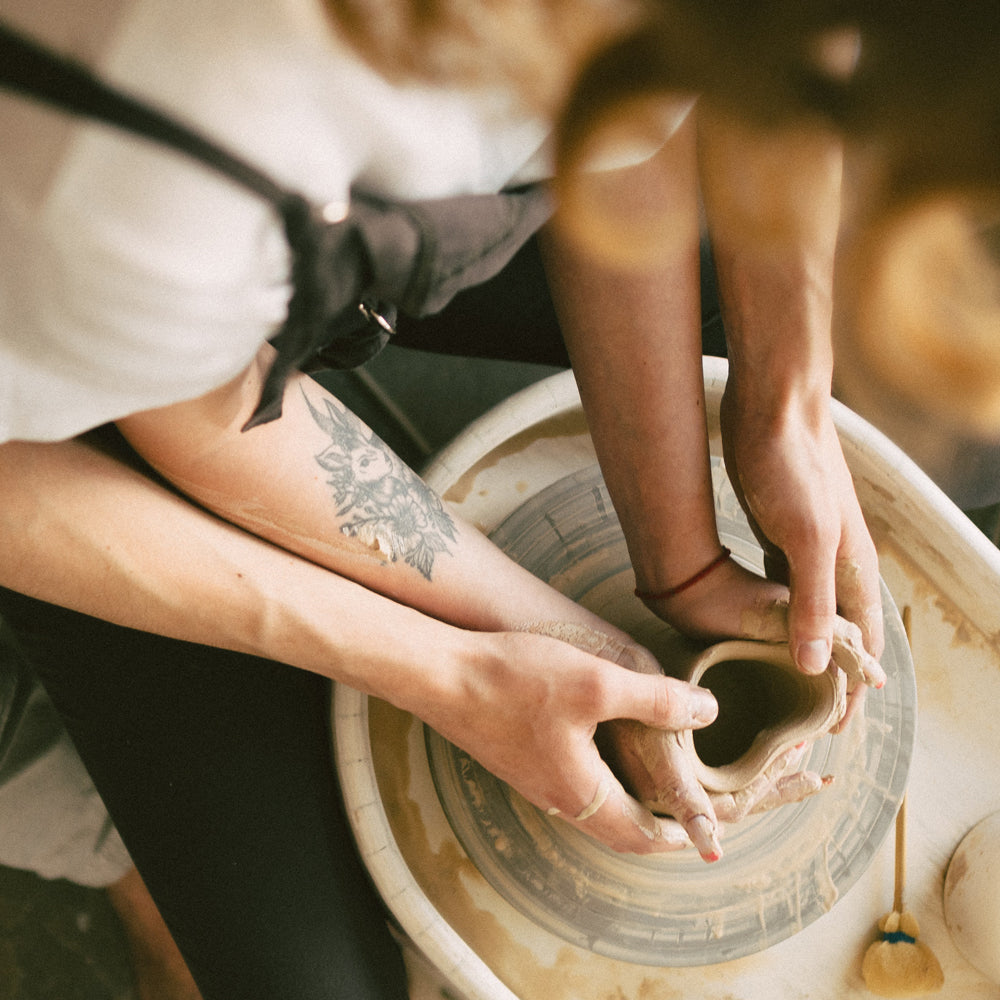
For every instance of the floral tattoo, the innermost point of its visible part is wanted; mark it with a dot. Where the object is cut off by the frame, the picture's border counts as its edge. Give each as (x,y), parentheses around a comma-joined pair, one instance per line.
(385,504)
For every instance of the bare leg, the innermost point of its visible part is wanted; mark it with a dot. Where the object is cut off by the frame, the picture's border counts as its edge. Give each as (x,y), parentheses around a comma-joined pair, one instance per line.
(159,968)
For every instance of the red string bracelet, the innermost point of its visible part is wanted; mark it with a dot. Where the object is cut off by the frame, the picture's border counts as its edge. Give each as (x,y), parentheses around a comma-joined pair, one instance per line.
(689,582)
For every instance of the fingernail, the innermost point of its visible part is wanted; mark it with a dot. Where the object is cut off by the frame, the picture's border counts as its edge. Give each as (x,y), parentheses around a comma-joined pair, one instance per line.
(704,707)
(874,674)
(701,830)
(813,656)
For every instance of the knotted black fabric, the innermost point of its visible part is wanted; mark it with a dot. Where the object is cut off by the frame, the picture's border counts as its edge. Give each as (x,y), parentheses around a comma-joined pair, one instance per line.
(349,276)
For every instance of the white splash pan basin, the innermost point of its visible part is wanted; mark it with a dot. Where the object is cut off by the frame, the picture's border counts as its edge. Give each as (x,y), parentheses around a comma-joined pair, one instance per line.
(932,560)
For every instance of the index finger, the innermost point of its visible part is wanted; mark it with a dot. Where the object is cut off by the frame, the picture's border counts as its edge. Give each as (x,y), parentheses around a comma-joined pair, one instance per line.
(860,597)
(623,823)
(658,701)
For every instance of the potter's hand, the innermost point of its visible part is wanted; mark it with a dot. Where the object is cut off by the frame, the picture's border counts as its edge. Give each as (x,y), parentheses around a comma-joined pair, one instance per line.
(789,472)
(733,602)
(645,758)
(770,623)
(773,205)
(777,785)
(611,811)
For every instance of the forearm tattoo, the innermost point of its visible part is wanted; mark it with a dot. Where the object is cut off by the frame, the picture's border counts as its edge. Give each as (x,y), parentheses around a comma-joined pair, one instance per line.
(384,504)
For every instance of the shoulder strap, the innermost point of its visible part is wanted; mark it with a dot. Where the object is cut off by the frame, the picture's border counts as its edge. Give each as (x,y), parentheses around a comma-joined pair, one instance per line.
(28,68)
(34,71)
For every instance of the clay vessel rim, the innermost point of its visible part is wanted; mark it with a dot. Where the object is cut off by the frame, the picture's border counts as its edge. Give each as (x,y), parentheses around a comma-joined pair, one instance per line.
(824,709)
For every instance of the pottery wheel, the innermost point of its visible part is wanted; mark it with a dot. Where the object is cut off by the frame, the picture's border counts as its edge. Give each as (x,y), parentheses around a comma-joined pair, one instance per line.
(781,870)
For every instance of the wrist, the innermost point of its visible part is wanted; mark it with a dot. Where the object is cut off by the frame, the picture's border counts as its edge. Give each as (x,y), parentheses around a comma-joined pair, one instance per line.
(440,675)
(686,584)
(770,383)
(674,573)
(778,315)
(672,534)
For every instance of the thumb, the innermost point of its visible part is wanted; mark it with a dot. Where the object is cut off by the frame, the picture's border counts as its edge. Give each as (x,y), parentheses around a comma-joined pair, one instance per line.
(812,611)
(640,691)
(661,702)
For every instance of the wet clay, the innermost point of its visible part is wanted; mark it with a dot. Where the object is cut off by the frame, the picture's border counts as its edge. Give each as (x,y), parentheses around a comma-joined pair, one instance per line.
(766,707)
(754,698)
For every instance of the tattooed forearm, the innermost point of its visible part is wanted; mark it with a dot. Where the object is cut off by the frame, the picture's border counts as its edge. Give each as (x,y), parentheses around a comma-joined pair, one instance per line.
(383,503)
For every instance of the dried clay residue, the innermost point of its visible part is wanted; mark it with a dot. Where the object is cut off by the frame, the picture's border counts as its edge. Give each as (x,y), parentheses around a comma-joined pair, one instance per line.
(569,424)
(954,659)
(967,632)
(530,963)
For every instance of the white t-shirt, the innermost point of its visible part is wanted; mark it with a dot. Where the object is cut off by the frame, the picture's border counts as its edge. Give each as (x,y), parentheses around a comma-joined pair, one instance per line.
(131,277)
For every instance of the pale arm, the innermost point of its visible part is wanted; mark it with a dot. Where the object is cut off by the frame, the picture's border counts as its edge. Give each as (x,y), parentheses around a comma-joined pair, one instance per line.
(319,483)
(81,529)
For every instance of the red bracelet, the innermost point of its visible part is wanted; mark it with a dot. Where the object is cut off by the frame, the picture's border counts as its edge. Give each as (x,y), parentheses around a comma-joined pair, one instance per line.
(689,582)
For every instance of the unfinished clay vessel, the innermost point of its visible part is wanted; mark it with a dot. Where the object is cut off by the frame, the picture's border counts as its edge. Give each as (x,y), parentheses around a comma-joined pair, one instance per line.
(766,707)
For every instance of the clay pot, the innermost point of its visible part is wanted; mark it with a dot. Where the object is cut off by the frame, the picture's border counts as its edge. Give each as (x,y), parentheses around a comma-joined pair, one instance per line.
(766,707)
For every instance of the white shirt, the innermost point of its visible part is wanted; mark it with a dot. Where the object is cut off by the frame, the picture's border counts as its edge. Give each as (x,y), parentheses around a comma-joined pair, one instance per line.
(131,277)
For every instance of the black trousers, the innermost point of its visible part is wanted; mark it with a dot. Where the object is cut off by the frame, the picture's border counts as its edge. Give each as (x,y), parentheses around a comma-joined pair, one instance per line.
(216,768)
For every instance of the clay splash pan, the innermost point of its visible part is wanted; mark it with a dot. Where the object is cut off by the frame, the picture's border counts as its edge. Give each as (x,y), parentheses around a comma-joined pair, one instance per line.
(782,869)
